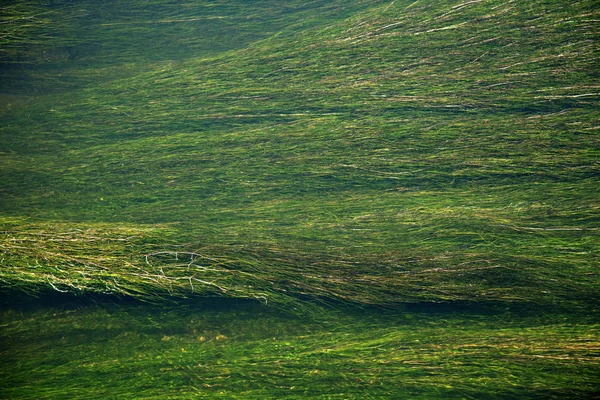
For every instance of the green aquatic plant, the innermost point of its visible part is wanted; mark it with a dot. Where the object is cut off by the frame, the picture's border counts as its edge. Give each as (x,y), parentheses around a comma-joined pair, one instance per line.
(246,350)
(328,168)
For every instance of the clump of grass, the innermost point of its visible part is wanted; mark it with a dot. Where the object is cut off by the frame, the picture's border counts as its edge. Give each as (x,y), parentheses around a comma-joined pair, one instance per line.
(69,257)
(138,262)
(105,259)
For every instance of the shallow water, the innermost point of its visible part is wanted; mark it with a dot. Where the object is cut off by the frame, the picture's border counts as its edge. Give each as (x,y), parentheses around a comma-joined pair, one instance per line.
(326,199)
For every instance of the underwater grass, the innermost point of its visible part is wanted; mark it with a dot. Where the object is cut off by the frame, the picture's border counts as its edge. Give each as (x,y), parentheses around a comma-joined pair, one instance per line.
(140,262)
(241,351)
(300,162)
(378,155)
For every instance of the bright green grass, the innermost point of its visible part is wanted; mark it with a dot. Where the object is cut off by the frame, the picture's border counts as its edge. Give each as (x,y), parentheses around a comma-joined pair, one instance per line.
(366,154)
(224,350)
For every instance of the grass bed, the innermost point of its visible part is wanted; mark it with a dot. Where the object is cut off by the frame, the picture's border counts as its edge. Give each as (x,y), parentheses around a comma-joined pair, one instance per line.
(307,157)
(236,350)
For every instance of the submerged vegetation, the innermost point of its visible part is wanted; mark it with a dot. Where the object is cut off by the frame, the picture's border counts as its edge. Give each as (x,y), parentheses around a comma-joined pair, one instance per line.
(305,157)
(246,351)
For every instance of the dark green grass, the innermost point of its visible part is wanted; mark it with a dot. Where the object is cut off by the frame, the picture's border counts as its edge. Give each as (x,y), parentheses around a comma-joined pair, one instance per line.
(429,152)
(439,152)
(64,45)
(372,154)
